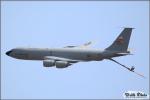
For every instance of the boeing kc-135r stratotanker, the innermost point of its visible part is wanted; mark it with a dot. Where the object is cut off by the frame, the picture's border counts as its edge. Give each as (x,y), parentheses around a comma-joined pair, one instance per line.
(64,57)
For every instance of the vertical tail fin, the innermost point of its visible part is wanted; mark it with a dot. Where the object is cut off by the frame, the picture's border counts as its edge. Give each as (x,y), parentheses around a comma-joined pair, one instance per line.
(122,41)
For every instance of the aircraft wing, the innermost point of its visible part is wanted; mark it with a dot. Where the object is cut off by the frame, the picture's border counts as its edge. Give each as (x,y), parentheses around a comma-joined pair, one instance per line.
(61,59)
(85,45)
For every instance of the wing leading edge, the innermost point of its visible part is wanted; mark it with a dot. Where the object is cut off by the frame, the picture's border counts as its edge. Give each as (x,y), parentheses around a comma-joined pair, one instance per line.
(61,59)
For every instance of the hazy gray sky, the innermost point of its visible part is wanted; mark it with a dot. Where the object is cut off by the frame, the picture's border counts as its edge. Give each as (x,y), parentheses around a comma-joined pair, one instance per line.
(62,23)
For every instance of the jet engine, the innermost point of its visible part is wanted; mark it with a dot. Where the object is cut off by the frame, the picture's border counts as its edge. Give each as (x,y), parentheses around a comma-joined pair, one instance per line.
(62,64)
(48,63)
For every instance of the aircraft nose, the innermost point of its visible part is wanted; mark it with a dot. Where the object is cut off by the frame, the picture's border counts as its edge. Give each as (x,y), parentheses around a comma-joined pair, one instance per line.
(8,52)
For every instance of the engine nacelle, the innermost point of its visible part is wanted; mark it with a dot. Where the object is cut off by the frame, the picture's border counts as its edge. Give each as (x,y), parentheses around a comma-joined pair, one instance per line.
(62,64)
(48,63)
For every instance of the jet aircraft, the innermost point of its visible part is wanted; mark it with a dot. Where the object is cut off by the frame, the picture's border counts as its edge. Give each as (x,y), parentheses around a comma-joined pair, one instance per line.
(66,56)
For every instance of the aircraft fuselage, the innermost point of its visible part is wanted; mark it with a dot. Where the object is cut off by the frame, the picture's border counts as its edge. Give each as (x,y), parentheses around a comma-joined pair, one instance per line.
(70,53)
